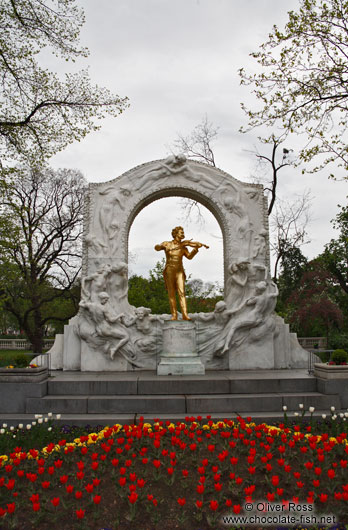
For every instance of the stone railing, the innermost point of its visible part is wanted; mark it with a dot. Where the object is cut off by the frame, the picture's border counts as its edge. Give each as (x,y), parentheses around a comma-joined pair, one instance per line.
(21,344)
(311,343)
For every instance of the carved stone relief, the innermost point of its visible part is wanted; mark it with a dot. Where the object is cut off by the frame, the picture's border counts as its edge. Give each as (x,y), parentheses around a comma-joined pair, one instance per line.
(110,327)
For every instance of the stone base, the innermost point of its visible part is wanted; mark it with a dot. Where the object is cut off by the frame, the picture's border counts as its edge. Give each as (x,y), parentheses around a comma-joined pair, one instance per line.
(253,355)
(179,354)
(188,365)
(330,371)
(23,375)
(92,361)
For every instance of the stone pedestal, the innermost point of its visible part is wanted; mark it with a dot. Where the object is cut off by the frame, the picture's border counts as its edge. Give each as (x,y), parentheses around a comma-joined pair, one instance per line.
(179,352)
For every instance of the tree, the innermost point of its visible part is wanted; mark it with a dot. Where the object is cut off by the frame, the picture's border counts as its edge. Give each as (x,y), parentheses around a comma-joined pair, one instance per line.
(276,165)
(289,224)
(302,84)
(198,144)
(293,266)
(40,246)
(150,292)
(313,310)
(335,255)
(39,113)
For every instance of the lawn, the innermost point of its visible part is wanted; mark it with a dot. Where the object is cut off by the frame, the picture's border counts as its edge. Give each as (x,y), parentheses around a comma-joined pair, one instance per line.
(11,357)
(175,476)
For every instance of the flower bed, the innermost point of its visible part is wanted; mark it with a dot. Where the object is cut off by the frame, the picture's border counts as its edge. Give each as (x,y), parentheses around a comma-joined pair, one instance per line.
(166,476)
(331,371)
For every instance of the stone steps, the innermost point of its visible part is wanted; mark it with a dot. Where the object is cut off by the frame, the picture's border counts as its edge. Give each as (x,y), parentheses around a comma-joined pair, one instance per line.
(179,404)
(147,383)
(109,397)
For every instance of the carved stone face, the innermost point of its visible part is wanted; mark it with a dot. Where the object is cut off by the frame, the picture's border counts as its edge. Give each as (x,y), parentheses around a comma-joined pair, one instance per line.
(103,298)
(261,287)
(140,313)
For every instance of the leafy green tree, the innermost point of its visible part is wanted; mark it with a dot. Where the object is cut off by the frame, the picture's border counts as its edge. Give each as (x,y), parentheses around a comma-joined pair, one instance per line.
(40,113)
(293,266)
(302,82)
(150,292)
(313,309)
(40,246)
(335,254)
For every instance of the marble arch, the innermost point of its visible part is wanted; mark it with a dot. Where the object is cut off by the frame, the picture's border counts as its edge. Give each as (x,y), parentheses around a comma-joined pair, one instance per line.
(108,334)
(239,208)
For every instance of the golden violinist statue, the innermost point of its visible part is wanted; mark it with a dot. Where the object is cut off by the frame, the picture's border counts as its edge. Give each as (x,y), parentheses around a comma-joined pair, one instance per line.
(174,274)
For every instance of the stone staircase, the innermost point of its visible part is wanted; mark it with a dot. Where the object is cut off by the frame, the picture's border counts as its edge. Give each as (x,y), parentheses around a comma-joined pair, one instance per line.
(104,398)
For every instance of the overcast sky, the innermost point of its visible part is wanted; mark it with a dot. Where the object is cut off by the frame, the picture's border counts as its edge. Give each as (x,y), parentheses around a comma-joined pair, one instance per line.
(178,60)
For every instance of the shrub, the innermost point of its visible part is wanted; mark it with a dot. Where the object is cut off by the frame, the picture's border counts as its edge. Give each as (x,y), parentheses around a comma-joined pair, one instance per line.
(339,356)
(21,360)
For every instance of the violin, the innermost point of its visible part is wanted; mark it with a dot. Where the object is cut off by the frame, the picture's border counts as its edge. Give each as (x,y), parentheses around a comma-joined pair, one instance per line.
(194,244)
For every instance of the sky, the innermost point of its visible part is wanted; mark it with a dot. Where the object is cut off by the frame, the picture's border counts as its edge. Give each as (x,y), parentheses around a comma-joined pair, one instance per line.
(178,61)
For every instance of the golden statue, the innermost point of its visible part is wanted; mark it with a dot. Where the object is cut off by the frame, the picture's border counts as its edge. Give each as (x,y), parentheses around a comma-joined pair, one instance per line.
(174,274)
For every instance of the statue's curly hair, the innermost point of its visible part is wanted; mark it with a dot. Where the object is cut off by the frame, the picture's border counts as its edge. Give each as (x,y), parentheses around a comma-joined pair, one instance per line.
(176,230)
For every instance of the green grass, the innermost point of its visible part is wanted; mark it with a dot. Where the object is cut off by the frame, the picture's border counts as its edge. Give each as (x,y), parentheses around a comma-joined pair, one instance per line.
(7,357)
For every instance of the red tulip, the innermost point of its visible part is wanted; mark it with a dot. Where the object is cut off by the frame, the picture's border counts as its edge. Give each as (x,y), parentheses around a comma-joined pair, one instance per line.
(199,504)
(97,499)
(10,484)
(133,497)
(55,501)
(36,506)
(11,507)
(80,514)
(34,497)
(182,501)
(331,473)
(275,480)
(323,497)
(214,505)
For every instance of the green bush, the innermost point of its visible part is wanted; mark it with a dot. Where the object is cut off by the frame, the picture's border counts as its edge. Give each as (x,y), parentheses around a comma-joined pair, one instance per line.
(338,340)
(21,360)
(339,356)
